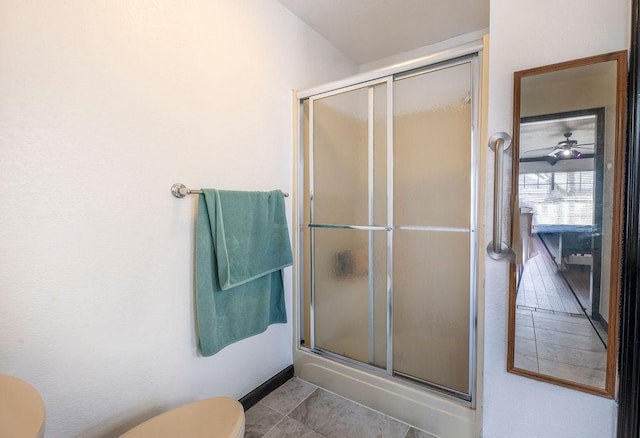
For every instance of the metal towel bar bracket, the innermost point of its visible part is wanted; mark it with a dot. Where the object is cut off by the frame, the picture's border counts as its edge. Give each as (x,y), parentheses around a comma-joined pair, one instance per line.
(499,143)
(180,191)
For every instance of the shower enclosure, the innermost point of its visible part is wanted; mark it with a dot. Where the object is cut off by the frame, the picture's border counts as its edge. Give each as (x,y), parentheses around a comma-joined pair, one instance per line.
(387,210)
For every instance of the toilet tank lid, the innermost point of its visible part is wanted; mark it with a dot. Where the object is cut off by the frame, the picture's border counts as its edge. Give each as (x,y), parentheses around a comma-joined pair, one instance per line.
(21,408)
(218,417)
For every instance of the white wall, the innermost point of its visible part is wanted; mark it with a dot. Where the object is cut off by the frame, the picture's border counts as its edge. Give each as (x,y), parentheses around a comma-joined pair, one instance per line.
(526,34)
(103,105)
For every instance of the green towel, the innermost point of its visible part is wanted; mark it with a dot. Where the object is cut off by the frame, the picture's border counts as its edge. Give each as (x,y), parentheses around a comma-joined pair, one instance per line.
(242,244)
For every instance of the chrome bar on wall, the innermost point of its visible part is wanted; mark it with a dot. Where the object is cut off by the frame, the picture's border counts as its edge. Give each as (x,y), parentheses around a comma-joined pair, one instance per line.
(499,143)
(180,191)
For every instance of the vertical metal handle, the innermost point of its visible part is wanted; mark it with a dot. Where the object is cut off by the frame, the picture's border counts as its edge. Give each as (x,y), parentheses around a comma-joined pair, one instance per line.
(498,143)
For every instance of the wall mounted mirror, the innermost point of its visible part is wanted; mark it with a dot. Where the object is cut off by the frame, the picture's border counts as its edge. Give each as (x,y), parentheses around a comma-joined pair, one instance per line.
(568,140)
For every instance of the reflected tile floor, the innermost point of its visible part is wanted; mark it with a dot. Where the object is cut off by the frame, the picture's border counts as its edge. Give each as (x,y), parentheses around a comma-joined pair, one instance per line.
(299,409)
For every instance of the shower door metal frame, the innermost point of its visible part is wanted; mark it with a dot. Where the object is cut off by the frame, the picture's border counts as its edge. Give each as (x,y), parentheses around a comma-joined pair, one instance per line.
(388,77)
(369,86)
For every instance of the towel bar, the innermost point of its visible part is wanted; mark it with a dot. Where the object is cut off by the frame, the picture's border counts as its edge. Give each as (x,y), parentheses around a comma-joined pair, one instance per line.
(180,191)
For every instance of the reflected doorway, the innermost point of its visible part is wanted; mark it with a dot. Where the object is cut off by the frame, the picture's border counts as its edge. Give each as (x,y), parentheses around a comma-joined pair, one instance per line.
(560,194)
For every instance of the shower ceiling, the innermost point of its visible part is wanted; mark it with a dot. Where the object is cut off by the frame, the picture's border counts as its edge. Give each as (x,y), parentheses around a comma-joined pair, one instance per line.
(367,30)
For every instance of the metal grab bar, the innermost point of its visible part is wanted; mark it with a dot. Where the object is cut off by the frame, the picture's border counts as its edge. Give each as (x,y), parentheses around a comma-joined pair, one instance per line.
(180,191)
(498,143)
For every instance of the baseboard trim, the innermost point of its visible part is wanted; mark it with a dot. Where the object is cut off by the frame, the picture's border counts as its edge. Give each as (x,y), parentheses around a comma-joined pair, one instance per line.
(267,387)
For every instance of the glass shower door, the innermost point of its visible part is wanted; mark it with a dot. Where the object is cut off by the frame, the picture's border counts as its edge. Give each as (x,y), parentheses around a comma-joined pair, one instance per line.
(348,223)
(390,226)
(433,226)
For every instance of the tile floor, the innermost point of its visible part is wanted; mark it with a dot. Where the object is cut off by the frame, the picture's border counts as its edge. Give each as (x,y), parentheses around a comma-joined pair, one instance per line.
(553,336)
(299,409)
(562,346)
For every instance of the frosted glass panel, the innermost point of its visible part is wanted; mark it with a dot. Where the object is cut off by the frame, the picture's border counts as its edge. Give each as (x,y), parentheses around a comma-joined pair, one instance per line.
(432,148)
(340,151)
(380,308)
(431,307)
(344,318)
(380,154)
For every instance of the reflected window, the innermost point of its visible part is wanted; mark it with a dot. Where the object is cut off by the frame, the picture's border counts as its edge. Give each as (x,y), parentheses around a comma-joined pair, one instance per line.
(558,198)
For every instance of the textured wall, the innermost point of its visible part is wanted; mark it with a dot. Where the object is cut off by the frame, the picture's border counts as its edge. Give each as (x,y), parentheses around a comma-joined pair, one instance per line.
(103,105)
(527,34)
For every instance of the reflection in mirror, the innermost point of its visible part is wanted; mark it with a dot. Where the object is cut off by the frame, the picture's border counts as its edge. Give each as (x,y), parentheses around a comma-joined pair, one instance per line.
(568,131)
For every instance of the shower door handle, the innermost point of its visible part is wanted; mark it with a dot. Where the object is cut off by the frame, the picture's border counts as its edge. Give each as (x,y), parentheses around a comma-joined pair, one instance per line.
(499,143)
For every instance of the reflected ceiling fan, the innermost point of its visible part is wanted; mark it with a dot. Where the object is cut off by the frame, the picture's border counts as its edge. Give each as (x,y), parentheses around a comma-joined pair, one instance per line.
(566,149)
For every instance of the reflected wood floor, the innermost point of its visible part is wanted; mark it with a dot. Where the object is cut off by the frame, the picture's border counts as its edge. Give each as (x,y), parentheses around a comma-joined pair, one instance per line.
(300,409)
(542,287)
(579,280)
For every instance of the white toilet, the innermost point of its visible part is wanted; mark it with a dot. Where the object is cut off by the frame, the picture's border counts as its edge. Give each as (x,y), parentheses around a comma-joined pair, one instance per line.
(21,409)
(219,417)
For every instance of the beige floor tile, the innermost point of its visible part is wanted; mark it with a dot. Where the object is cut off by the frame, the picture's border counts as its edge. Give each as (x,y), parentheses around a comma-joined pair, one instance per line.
(591,343)
(526,347)
(290,428)
(581,329)
(285,398)
(573,356)
(529,363)
(525,319)
(524,332)
(259,420)
(336,417)
(586,376)
(415,433)
(579,319)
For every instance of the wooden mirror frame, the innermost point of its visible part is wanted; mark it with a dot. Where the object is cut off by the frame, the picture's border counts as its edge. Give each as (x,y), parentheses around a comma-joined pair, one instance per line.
(616,233)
